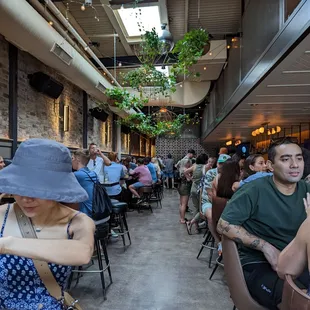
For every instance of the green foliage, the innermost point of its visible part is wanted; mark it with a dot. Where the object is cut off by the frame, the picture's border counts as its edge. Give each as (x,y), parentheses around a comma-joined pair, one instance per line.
(123,99)
(146,125)
(150,48)
(189,50)
(148,76)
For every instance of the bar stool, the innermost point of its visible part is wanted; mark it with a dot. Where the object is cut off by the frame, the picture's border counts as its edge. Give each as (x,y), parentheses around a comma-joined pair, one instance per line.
(119,219)
(208,243)
(146,196)
(101,234)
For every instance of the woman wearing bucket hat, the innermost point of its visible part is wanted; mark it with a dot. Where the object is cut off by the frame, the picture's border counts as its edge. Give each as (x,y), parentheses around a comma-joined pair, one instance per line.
(39,177)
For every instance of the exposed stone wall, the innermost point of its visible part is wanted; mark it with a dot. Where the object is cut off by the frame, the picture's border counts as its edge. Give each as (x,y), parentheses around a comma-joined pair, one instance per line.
(100,132)
(4,88)
(41,116)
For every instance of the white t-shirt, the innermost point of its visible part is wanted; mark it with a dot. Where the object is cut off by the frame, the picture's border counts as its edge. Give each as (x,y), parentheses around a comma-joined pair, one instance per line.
(97,166)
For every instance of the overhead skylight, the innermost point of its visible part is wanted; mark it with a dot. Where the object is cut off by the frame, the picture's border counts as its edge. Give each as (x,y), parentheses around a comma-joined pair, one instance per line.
(137,21)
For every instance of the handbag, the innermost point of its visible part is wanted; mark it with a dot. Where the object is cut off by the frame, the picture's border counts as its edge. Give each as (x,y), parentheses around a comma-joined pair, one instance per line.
(42,267)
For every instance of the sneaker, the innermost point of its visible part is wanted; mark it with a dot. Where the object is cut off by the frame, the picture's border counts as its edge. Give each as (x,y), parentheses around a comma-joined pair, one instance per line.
(139,201)
(114,234)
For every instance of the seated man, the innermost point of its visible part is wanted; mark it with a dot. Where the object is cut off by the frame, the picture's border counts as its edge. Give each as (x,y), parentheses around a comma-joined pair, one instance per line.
(144,177)
(264,216)
(207,193)
(151,167)
(115,175)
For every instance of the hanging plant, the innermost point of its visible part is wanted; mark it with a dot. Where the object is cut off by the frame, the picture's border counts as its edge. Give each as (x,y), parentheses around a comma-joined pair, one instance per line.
(148,76)
(189,50)
(146,125)
(122,99)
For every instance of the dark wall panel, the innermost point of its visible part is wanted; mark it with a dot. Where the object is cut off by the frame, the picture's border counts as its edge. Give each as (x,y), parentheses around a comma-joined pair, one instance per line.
(261,22)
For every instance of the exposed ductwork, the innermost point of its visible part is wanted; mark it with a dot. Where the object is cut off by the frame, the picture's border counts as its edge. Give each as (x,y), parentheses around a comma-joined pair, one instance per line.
(23,26)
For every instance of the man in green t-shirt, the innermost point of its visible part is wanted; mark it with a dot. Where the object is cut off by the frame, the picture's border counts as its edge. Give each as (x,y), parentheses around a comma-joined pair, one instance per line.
(264,216)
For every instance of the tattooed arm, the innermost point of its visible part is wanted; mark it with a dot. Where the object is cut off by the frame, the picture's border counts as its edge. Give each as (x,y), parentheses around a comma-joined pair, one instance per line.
(241,236)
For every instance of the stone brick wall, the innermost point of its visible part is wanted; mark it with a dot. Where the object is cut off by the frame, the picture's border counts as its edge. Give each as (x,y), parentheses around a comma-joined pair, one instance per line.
(4,88)
(41,116)
(100,132)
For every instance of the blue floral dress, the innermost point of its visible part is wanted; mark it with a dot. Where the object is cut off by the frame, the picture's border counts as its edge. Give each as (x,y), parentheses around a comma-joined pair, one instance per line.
(20,285)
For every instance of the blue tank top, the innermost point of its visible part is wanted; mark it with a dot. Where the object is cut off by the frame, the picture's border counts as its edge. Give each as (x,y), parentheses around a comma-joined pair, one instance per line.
(20,283)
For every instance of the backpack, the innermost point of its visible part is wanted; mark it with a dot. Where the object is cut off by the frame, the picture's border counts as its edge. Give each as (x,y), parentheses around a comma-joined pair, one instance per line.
(101,204)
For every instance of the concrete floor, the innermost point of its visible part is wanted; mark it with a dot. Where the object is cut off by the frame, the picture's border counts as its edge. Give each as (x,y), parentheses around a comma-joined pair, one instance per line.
(159,271)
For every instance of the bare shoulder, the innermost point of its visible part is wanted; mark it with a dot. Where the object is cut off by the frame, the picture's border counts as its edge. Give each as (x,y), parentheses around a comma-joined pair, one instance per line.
(81,221)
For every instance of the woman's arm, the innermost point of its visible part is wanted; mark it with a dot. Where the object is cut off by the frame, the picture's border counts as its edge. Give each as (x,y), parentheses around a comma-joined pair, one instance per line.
(188,172)
(293,259)
(74,252)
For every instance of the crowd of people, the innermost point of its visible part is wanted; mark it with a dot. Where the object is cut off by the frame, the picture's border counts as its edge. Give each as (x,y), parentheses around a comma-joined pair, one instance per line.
(266,214)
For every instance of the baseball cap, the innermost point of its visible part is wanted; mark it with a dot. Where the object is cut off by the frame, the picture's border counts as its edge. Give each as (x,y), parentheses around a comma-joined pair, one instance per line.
(222,158)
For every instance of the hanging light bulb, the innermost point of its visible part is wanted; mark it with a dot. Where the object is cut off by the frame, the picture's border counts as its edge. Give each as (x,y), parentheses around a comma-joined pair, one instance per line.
(269,132)
(83,7)
(278,129)
(228,47)
(205,68)
(210,53)
(273,131)
(51,23)
(261,129)
(229,143)
(254,133)
(257,131)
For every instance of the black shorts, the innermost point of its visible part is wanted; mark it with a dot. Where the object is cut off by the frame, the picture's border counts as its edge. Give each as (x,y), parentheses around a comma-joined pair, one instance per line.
(265,286)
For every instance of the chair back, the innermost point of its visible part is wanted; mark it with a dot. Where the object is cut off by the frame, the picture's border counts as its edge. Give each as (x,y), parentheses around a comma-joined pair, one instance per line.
(293,298)
(146,189)
(235,278)
(218,206)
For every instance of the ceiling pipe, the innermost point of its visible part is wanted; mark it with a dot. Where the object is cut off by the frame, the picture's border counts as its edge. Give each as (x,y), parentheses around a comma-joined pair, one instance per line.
(68,26)
(55,24)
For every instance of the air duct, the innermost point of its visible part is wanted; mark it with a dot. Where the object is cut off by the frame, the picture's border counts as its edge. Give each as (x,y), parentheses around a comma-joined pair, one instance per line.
(23,26)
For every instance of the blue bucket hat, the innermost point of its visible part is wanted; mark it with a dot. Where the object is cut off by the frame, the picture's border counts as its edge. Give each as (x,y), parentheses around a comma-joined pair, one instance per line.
(42,169)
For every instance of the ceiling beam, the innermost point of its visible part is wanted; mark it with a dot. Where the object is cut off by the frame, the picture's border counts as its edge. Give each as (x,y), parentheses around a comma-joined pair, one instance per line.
(116,26)
(62,8)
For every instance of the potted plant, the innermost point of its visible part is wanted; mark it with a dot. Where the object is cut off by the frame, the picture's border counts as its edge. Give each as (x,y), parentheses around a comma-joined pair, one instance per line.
(123,100)
(190,49)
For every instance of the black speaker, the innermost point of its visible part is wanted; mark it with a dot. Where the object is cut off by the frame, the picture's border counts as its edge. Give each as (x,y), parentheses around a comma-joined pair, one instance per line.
(99,114)
(45,84)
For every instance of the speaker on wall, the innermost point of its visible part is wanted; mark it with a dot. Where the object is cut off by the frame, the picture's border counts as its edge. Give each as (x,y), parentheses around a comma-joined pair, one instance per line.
(45,84)
(99,114)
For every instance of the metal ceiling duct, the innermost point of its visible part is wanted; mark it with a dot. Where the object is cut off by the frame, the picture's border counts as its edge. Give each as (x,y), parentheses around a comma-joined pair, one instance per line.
(23,26)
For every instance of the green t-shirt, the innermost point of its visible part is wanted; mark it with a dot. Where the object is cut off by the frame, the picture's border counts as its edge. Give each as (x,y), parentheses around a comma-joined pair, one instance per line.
(261,209)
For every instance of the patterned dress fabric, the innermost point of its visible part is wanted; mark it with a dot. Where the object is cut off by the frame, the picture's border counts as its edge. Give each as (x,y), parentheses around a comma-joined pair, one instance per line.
(20,285)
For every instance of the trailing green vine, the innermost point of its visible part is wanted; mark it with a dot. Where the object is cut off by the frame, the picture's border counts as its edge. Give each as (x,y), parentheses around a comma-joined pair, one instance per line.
(145,124)
(123,99)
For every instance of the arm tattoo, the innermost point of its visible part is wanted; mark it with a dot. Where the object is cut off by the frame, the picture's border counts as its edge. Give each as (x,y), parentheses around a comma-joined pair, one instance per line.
(255,244)
(223,226)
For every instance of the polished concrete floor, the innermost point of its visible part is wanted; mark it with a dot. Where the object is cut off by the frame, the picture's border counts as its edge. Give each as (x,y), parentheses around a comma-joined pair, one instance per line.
(159,271)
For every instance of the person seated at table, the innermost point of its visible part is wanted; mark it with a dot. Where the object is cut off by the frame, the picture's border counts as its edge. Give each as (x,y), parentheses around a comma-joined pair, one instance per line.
(295,258)
(39,177)
(152,168)
(115,175)
(144,177)
(85,177)
(254,168)
(264,216)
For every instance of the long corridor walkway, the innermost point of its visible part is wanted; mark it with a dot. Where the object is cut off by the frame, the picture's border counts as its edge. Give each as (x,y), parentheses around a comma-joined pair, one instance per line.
(159,271)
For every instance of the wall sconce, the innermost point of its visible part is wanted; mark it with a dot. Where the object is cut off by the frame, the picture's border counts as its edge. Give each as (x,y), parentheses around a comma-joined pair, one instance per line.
(229,143)
(66,118)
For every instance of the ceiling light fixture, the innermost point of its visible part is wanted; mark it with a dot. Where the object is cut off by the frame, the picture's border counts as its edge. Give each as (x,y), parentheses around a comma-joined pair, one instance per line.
(83,7)
(205,68)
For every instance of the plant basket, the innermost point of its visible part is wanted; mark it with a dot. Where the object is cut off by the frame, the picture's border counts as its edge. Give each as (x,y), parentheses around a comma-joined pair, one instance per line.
(111,102)
(206,48)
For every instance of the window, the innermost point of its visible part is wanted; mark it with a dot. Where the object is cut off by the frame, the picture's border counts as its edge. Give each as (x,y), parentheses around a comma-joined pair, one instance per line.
(136,21)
